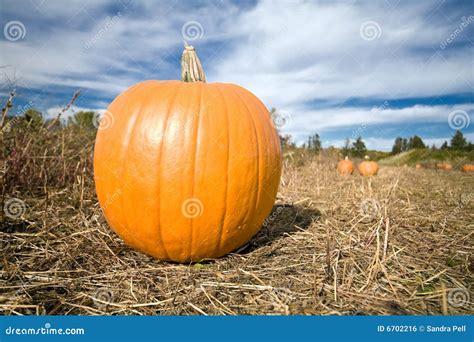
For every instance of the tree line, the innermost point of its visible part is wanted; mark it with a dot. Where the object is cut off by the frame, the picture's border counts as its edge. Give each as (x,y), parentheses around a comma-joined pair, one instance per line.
(34,118)
(457,142)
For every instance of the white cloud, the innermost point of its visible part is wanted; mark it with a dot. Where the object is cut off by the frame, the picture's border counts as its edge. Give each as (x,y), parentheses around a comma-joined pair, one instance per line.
(287,53)
(52,112)
(314,50)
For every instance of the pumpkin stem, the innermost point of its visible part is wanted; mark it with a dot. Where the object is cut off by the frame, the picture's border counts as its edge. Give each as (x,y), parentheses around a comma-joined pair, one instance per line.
(191,69)
(346,158)
(366,157)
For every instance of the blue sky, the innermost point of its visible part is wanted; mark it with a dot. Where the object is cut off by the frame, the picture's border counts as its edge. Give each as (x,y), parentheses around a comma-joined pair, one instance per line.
(379,69)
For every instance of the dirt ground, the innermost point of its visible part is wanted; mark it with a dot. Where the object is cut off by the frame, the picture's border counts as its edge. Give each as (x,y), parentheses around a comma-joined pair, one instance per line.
(398,243)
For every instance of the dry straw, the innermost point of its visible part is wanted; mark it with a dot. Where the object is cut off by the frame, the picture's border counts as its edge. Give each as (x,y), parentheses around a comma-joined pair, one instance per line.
(320,253)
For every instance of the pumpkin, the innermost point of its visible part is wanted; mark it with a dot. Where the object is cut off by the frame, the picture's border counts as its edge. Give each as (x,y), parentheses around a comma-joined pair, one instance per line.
(345,166)
(468,168)
(186,170)
(368,167)
(418,166)
(444,166)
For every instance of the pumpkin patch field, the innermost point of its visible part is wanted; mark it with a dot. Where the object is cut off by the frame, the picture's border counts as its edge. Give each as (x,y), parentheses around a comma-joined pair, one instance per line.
(396,243)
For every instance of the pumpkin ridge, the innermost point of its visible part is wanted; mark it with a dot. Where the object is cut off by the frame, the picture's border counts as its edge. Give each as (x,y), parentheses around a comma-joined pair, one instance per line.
(165,125)
(196,141)
(217,249)
(128,139)
(258,104)
(130,144)
(256,201)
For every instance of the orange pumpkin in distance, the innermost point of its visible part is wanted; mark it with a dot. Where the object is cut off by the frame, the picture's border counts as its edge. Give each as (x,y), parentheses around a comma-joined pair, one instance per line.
(468,168)
(186,170)
(368,167)
(418,166)
(345,166)
(448,166)
(444,166)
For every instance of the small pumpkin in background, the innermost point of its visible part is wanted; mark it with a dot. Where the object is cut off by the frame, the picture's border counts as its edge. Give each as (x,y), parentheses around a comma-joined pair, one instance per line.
(368,167)
(468,168)
(448,166)
(418,166)
(345,166)
(187,170)
(444,166)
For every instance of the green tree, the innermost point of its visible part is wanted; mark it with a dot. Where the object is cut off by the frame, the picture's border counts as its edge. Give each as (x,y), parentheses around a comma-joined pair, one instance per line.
(286,141)
(404,144)
(358,148)
(314,143)
(458,142)
(444,146)
(33,117)
(346,149)
(83,119)
(416,142)
(397,145)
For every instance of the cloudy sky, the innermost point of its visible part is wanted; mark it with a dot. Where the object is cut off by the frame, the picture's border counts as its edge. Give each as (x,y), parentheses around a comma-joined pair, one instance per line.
(378,69)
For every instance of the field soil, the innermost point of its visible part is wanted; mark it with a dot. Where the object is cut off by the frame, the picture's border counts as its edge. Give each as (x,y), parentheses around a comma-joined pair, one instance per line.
(395,244)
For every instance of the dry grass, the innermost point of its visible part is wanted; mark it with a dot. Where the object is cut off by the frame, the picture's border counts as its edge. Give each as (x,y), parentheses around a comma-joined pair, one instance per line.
(399,243)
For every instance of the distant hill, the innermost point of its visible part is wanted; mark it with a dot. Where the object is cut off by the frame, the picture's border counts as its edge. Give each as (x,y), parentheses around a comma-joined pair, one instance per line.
(423,155)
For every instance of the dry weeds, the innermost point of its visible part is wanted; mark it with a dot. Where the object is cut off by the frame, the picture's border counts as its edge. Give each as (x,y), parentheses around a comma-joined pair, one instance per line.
(398,243)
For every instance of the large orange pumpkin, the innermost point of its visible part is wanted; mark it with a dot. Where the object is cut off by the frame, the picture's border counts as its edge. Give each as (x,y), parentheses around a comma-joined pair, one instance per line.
(345,166)
(468,168)
(368,167)
(186,170)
